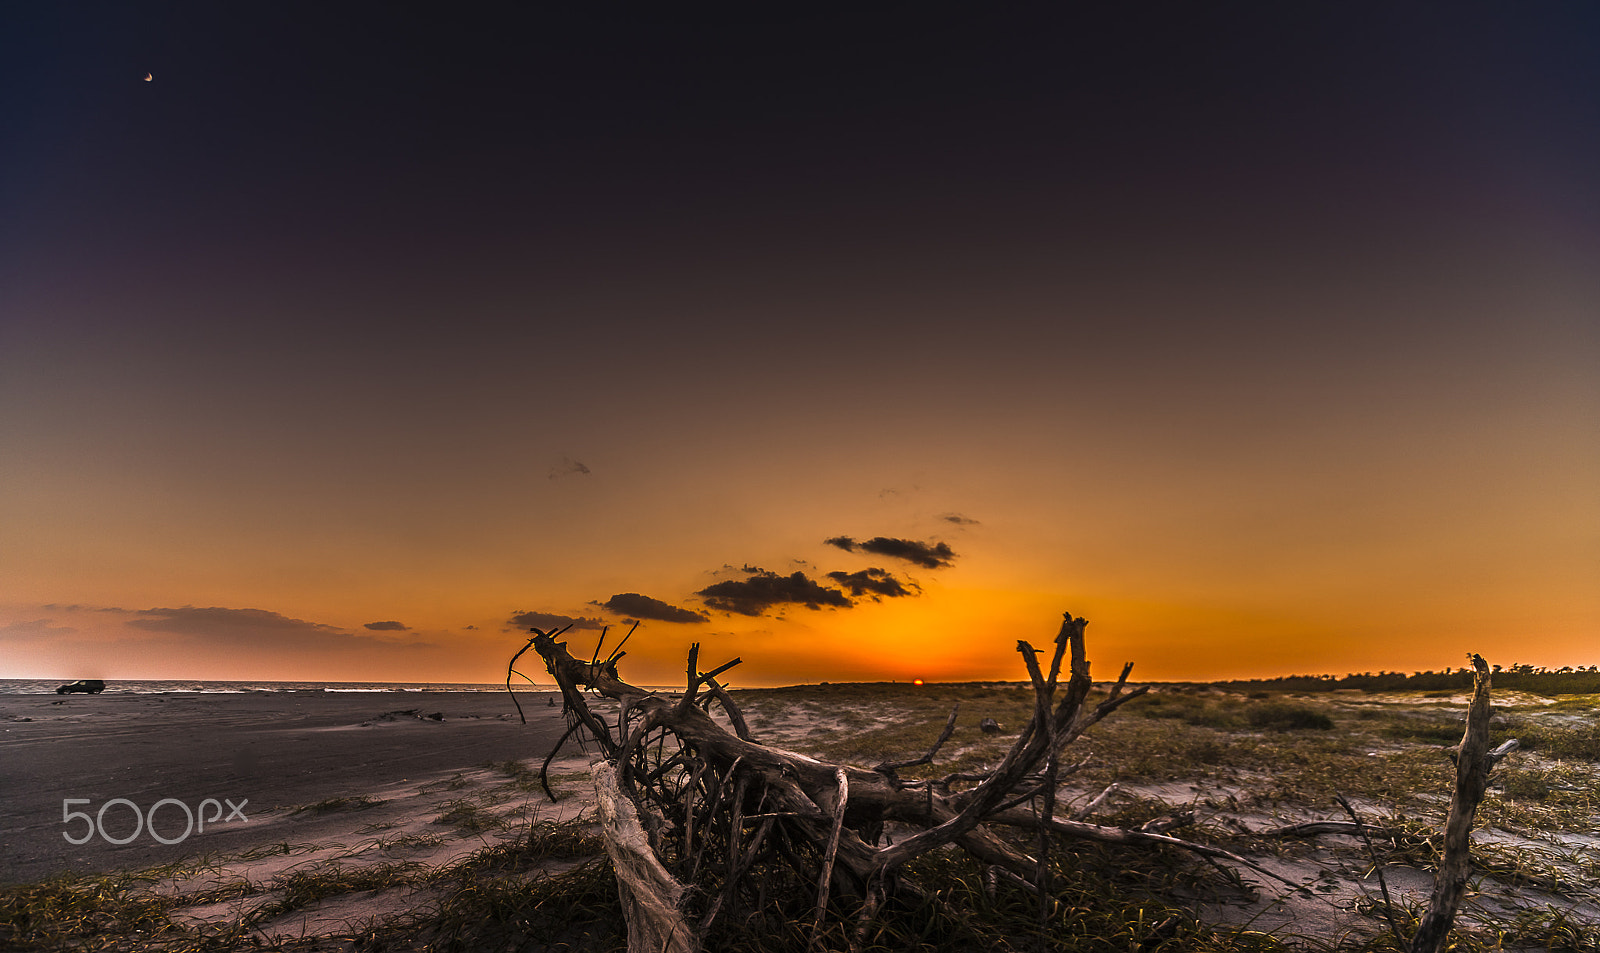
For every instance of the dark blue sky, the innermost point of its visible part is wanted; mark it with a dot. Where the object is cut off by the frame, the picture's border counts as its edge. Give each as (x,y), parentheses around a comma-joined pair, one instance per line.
(286,134)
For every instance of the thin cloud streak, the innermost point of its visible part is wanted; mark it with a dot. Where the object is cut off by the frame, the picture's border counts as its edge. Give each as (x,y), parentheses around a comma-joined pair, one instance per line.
(253,629)
(34,630)
(219,622)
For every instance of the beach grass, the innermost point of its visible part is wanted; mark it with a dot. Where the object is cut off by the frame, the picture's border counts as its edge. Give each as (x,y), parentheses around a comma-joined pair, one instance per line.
(1104,899)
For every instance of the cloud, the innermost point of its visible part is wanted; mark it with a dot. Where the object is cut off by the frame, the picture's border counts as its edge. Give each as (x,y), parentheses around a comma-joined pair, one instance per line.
(873,582)
(568,467)
(926,555)
(36,630)
(644,607)
(232,623)
(764,589)
(236,629)
(390,626)
(550,620)
(958,519)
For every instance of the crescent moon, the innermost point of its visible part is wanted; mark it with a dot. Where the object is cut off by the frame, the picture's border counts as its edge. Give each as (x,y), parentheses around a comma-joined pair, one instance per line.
(149,76)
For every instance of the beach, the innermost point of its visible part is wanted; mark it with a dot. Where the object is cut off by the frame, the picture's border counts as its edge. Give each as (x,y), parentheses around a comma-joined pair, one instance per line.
(338,814)
(259,768)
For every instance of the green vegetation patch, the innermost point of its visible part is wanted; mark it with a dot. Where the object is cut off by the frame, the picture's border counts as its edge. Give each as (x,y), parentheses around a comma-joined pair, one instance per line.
(1426,728)
(1575,742)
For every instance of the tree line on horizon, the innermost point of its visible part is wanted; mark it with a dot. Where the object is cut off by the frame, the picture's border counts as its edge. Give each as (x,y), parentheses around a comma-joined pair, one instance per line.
(1567,680)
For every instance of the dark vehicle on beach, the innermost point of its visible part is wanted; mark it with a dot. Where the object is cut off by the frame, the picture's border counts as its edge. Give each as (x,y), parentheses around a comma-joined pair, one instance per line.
(90,686)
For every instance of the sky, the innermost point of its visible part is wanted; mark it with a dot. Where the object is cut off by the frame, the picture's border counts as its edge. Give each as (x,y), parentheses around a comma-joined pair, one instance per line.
(350,342)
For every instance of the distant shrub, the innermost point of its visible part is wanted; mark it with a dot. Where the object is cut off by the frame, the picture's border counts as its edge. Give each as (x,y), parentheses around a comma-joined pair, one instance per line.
(1283,716)
(1215,716)
(1202,712)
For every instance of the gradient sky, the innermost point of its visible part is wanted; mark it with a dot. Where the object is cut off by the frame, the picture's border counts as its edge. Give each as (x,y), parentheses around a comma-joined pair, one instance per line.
(355,341)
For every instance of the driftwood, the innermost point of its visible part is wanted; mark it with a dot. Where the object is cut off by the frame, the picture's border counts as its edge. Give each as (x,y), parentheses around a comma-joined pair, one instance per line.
(1473,761)
(702,822)
(715,806)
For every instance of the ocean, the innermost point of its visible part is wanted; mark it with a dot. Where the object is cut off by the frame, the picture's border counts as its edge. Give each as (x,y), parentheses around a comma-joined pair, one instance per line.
(47,686)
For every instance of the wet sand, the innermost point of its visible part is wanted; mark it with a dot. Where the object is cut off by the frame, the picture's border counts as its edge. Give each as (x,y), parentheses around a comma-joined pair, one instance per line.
(266,753)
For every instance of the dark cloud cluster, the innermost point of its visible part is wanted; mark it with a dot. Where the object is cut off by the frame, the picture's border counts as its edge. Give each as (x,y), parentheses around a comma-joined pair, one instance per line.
(643,607)
(958,519)
(926,555)
(549,620)
(877,583)
(389,626)
(764,589)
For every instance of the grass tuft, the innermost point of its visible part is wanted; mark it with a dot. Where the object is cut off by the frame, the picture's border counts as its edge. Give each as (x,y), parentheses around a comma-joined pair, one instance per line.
(303,888)
(468,816)
(335,804)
